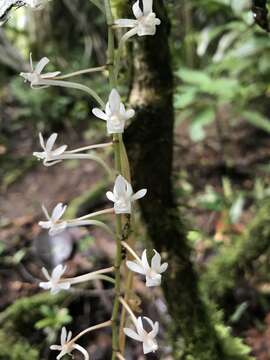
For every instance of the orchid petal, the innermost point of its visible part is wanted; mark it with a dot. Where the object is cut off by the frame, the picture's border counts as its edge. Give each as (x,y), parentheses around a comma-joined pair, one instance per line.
(120,185)
(31,63)
(108,110)
(137,10)
(45,224)
(45,285)
(41,140)
(51,141)
(64,286)
(81,350)
(114,101)
(144,260)
(155,330)
(49,163)
(155,262)
(46,274)
(150,322)
(58,211)
(132,265)
(139,194)
(45,212)
(41,65)
(63,335)
(100,114)
(139,327)
(110,196)
(58,271)
(147,6)
(129,190)
(163,268)
(50,75)
(130,114)
(59,151)
(56,347)
(69,336)
(132,334)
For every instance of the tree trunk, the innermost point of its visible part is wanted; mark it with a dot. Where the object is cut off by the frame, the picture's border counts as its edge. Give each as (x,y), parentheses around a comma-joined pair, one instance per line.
(149,141)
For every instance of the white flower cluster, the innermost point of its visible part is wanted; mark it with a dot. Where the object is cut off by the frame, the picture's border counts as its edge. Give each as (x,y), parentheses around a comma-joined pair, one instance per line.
(115,114)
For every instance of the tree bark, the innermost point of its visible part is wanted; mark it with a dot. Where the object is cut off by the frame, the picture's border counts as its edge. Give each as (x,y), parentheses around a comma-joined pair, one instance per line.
(149,141)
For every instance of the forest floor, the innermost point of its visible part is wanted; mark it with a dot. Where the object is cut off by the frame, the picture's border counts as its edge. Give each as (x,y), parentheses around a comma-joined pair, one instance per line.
(240,155)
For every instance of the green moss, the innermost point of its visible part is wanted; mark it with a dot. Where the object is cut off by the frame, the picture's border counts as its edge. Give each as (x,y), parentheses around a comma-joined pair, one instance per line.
(18,327)
(234,261)
(13,347)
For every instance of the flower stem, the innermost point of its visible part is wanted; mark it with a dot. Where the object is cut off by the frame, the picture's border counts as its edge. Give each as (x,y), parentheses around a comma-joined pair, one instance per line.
(132,252)
(96,213)
(81,72)
(82,351)
(77,156)
(90,147)
(86,277)
(127,307)
(120,356)
(117,138)
(89,223)
(92,328)
(122,42)
(72,85)
(110,50)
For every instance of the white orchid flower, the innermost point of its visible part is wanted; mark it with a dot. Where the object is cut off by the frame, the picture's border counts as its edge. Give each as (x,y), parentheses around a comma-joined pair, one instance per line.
(54,283)
(36,76)
(153,272)
(146,20)
(115,114)
(50,156)
(123,195)
(56,225)
(54,222)
(147,338)
(68,345)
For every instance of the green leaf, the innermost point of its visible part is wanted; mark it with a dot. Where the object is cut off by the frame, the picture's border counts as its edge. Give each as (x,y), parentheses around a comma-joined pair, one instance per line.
(195,77)
(224,88)
(185,99)
(196,130)
(257,120)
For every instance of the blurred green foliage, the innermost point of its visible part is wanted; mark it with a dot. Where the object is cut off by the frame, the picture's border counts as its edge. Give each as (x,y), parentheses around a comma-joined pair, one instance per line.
(230,67)
(21,322)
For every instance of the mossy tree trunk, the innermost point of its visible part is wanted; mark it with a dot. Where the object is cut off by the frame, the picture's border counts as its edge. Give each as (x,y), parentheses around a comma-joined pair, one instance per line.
(226,272)
(149,142)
